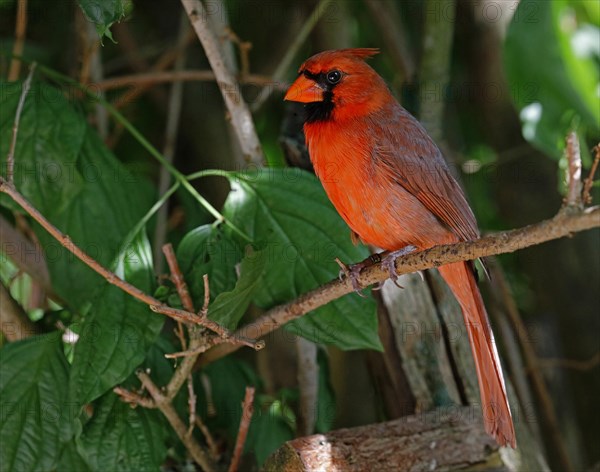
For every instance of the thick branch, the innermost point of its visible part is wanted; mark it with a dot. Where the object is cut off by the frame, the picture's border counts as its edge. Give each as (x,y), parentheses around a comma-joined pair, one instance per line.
(241,119)
(445,439)
(565,223)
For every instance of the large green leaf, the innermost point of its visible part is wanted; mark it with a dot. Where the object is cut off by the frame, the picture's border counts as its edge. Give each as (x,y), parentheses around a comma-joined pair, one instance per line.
(287,210)
(118,330)
(229,307)
(36,416)
(72,459)
(121,438)
(561,90)
(208,250)
(65,170)
(50,139)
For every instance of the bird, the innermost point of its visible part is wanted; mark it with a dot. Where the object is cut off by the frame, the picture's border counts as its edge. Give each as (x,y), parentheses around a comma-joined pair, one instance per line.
(390,183)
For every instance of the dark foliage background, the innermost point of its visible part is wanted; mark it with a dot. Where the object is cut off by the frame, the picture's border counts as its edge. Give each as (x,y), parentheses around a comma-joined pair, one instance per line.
(521,75)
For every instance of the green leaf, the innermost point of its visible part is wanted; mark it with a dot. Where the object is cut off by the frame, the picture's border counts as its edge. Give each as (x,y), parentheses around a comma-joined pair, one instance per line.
(35,416)
(269,429)
(208,250)
(288,211)
(65,170)
(561,92)
(71,459)
(229,307)
(121,438)
(228,379)
(50,139)
(118,331)
(104,13)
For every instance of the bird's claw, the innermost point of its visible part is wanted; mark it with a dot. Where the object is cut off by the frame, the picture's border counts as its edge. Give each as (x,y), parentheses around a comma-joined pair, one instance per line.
(389,262)
(351,272)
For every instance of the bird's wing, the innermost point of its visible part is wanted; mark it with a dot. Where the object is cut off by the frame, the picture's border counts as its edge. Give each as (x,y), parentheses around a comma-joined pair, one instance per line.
(403,149)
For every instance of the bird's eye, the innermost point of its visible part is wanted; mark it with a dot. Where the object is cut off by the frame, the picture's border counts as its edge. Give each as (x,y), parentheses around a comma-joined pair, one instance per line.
(334,76)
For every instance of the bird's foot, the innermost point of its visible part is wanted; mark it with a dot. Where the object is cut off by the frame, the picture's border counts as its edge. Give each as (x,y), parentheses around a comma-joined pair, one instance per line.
(353,271)
(389,262)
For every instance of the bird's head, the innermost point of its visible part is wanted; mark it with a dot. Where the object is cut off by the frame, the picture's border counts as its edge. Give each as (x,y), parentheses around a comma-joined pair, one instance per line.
(338,84)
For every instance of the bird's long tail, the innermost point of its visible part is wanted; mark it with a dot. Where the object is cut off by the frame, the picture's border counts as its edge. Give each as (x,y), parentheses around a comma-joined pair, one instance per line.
(494,402)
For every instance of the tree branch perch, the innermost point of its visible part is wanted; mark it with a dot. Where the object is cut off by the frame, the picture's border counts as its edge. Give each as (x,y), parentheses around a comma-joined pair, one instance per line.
(567,221)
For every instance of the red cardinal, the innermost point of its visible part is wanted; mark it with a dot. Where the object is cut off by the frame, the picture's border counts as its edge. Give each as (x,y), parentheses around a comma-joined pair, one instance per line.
(390,183)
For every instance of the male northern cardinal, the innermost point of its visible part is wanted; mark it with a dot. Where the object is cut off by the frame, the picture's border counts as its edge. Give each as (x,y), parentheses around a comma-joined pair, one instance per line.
(390,183)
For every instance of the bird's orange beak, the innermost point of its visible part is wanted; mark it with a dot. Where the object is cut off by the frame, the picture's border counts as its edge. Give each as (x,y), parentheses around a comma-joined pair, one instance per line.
(304,90)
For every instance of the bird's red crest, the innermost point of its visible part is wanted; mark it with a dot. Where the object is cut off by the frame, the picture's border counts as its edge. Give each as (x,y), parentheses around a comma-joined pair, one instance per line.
(359,53)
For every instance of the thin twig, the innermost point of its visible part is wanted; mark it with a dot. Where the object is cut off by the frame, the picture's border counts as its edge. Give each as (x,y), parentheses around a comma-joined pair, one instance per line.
(241,119)
(198,453)
(164,61)
(247,411)
(181,286)
(134,398)
(574,185)
(575,364)
(183,76)
(210,442)
(563,224)
(10,158)
(20,31)
(177,278)
(589,182)
(291,52)
(171,129)
(244,48)
(154,304)
(191,404)
(394,34)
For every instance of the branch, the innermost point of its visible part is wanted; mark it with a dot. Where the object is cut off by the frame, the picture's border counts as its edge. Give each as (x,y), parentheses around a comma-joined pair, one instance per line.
(247,411)
(10,157)
(164,404)
(184,76)
(291,51)
(574,170)
(154,304)
(171,130)
(20,30)
(393,33)
(163,401)
(587,183)
(444,439)
(241,119)
(566,222)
